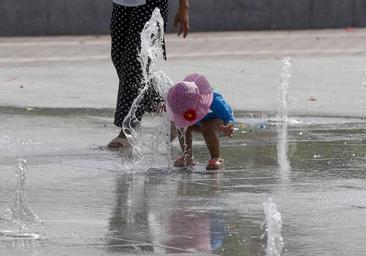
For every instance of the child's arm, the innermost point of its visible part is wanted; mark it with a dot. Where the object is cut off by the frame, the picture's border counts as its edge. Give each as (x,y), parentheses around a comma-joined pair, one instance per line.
(222,109)
(227,130)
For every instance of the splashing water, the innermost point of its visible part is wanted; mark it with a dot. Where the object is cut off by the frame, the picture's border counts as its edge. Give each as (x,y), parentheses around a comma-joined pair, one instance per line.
(273,228)
(282,147)
(284,86)
(151,57)
(187,152)
(362,77)
(19,219)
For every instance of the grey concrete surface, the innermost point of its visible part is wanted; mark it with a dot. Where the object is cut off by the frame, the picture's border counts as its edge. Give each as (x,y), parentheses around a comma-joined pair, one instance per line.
(80,17)
(328,74)
(56,108)
(96,202)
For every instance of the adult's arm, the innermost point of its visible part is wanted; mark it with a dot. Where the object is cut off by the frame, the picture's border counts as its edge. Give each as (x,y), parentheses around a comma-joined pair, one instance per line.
(182,18)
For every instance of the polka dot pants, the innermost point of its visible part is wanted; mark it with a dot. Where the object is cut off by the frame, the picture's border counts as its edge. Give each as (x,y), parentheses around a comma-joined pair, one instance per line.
(127,24)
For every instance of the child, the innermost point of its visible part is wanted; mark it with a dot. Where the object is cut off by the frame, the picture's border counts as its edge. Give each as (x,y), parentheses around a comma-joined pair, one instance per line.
(194,106)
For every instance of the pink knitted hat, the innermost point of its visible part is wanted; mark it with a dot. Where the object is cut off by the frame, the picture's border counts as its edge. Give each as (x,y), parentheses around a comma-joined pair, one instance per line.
(189,100)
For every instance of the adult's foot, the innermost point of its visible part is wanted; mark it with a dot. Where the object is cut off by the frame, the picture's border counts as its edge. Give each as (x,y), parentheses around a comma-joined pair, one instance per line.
(119,142)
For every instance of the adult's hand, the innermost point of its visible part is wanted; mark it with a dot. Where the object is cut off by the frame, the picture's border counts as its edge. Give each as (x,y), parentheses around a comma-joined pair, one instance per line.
(182,18)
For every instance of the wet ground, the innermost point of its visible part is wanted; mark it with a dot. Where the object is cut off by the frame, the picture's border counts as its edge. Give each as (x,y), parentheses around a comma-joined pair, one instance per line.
(56,102)
(96,202)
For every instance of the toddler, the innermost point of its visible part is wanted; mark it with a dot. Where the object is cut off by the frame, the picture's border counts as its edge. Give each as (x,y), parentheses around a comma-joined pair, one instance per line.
(194,106)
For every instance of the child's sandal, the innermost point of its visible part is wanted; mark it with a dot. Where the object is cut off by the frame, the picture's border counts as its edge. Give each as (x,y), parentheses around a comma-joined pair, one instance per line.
(184,162)
(215,164)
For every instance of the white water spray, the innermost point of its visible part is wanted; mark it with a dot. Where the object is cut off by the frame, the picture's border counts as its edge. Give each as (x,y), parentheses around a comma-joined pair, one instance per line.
(362,77)
(273,226)
(19,219)
(283,89)
(282,147)
(151,57)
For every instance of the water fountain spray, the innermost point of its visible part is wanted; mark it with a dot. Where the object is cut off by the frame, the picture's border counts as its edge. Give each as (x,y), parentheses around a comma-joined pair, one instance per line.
(273,226)
(151,57)
(362,77)
(283,89)
(20,220)
(282,147)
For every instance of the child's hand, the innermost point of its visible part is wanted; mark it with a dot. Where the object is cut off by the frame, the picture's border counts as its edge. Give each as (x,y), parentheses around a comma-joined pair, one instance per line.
(227,130)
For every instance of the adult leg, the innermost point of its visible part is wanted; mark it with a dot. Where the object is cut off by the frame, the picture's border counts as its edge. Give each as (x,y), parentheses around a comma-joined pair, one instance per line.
(126,45)
(119,28)
(139,17)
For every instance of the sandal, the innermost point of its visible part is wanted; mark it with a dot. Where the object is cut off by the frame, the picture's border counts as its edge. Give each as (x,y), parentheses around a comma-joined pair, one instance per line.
(118,143)
(215,164)
(184,162)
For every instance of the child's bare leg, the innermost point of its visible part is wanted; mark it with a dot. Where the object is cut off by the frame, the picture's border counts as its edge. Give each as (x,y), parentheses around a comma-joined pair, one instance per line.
(210,129)
(173,132)
(185,141)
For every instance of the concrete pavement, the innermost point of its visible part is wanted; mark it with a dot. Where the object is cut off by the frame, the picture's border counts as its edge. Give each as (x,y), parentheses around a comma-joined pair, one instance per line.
(328,74)
(97,202)
(56,103)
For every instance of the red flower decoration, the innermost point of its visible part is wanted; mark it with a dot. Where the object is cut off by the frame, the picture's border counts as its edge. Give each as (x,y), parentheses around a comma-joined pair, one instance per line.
(190,115)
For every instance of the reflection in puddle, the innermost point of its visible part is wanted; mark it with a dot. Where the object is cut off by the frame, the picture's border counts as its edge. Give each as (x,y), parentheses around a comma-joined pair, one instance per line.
(195,231)
(138,223)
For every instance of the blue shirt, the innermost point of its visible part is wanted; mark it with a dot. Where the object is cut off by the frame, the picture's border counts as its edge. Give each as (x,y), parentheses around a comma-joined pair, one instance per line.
(219,109)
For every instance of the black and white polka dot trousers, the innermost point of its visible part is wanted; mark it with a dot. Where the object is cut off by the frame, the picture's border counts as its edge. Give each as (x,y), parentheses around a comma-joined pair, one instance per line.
(126,26)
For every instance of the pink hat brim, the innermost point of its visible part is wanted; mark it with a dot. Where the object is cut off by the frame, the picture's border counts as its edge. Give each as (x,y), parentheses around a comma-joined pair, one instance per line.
(201,112)
(203,106)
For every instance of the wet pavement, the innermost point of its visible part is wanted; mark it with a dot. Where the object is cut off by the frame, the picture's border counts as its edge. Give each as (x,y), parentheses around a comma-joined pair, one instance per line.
(56,108)
(97,202)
